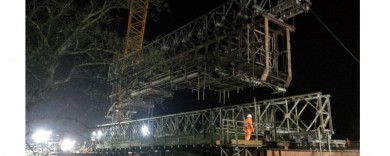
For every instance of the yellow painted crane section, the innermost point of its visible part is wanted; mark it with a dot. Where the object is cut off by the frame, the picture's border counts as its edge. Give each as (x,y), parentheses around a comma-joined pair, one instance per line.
(136,27)
(133,43)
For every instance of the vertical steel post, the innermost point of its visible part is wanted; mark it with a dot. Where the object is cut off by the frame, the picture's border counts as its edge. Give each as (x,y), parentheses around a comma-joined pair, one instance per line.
(247,42)
(321,112)
(330,149)
(203,95)
(198,89)
(287,116)
(224,97)
(221,126)
(257,121)
(275,55)
(266,35)
(296,116)
(320,141)
(274,122)
(289,68)
(330,114)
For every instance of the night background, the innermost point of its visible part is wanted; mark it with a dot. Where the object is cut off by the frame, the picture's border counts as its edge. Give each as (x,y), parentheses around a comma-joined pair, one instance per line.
(319,63)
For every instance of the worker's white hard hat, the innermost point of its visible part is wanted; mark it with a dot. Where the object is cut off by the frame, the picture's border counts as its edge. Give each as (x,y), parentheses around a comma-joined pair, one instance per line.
(249,116)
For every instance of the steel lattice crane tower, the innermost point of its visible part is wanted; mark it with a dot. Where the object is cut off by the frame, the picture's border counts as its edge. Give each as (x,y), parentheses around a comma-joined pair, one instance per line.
(136,26)
(138,11)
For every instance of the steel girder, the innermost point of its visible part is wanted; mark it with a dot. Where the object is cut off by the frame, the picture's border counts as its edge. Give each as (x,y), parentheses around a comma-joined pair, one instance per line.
(301,115)
(239,44)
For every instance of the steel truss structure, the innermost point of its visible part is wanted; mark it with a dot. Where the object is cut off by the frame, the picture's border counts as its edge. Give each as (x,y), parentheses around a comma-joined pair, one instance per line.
(238,44)
(136,26)
(292,119)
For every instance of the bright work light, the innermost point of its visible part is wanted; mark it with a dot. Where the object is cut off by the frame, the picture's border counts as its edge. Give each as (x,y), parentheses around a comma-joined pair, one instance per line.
(96,135)
(41,136)
(99,134)
(67,145)
(145,130)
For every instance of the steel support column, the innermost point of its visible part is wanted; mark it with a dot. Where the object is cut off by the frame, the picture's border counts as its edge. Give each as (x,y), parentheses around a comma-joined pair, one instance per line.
(289,68)
(266,38)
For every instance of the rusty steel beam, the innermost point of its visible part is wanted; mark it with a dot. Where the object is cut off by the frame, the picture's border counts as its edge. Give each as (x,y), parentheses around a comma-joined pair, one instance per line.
(266,37)
(289,68)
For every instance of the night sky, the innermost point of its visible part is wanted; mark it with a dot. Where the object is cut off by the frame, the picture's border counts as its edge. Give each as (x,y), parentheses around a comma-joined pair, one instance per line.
(319,63)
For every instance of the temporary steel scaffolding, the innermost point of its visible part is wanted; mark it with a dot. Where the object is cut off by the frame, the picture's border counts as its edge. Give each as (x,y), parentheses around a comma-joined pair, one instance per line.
(294,119)
(240,43)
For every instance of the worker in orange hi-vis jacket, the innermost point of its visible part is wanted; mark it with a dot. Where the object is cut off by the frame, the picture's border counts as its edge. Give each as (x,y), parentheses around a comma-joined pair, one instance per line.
(248,127)
(348,142)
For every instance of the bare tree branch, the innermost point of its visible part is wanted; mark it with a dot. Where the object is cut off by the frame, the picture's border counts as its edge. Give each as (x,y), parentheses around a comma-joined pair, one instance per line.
(68,42)
(75,69)
(40,32)
(88,50)
(64,37)
(33,75)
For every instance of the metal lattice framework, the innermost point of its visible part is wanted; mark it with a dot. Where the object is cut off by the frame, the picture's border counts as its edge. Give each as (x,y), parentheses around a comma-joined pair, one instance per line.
(308,114)
(238,44)
(136,26)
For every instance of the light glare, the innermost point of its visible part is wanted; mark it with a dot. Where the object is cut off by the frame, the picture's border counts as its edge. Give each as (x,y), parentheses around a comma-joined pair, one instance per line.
(67,145)
(145,130)
(99,134)
(41,136)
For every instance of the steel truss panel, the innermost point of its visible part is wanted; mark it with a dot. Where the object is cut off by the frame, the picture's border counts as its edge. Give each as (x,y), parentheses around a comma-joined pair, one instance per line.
(239,44)
(297,117)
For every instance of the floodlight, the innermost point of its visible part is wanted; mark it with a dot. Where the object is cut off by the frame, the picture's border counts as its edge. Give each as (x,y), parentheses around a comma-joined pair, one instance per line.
(41,136)
(99,133)
(96,135)
(145,130)
(67,145)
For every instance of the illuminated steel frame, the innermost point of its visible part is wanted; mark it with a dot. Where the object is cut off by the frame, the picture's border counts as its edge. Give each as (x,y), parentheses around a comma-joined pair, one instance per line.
(239,44)
(294,118)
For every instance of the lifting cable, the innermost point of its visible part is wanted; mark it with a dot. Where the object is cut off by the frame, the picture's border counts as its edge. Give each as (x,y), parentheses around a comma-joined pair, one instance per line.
(311,10)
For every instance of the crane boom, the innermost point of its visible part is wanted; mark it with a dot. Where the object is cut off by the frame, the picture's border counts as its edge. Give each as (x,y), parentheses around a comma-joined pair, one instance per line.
(138,11)
(136,26)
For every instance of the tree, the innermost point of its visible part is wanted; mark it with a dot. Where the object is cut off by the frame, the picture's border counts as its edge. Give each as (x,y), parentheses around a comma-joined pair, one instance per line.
(74,39)
(67,40)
